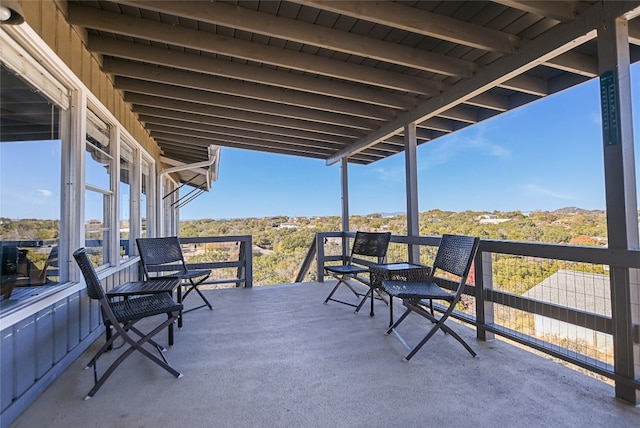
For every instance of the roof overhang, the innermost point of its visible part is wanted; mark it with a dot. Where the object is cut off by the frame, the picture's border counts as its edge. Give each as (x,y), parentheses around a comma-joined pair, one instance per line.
(333,80)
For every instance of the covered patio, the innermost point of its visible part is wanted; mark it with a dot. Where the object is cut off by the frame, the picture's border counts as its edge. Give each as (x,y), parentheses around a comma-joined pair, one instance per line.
(154,88)
(276,356)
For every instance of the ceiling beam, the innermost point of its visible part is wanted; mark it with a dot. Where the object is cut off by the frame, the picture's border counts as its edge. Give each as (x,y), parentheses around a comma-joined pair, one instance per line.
(245,90)
(204,130)
(208,42)
(149,114)
(267,76)
(556,41)
(138,100)
(247,72)
(558,10)
(238,103)
(418,21)
(441,27)
(253,21)
(634,32)
(182,142)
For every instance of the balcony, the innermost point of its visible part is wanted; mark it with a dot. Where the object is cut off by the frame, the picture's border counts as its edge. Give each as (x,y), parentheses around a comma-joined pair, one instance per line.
(276,356)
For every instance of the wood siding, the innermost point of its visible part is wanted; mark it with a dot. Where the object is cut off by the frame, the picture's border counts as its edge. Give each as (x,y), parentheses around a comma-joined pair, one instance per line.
(48,19)
(35,350)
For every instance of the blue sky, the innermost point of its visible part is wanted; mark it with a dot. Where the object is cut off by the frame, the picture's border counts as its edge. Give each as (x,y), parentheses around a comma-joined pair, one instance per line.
(543,156)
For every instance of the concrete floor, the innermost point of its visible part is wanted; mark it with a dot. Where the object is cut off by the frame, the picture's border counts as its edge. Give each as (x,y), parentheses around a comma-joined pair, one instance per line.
(275,356)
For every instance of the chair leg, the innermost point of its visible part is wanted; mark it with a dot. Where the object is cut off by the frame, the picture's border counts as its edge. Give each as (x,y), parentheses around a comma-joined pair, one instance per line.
(398,321)
(152,342)
(370,294)
(108,345)
(448,329)
(439,325)
(367,294)
(194,286)
(134,346)
(179,301)
(333,291)
(344,281)
(202,296)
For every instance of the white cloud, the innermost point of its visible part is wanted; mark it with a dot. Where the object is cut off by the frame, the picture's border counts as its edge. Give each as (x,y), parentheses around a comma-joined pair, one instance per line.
(463,143)
(390,174)
(44,193)
(539,190)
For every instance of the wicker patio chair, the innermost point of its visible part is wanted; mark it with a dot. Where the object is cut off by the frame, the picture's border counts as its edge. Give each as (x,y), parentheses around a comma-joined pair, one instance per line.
(121,317)
(368,244)
(163,258)
(455,256)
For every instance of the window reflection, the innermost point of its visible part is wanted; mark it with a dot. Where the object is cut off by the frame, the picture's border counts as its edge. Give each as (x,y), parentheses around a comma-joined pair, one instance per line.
(127,163)
(98,193)
(30,191)
(144,198)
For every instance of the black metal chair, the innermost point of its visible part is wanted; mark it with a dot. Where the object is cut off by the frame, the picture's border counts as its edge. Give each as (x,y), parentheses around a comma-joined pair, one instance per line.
(367,244)
(455,256)
(163,258)
(121,317)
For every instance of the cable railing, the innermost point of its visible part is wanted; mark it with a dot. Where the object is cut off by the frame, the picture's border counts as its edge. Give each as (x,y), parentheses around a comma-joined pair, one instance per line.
(229,258)
(556,299)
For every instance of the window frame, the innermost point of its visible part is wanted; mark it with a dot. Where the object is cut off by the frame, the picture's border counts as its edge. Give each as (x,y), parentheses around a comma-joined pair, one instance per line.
(48,74)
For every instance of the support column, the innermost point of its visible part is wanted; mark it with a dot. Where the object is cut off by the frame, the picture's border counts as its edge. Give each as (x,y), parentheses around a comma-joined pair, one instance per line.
(344,169)
(411,172)
(621,203)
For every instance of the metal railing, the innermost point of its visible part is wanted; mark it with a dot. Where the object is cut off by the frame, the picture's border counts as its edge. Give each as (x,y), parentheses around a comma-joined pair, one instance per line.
(558,299)
(208,249)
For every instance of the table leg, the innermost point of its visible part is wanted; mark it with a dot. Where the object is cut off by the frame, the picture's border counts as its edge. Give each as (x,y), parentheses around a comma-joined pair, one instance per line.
(179,302)
(371,314)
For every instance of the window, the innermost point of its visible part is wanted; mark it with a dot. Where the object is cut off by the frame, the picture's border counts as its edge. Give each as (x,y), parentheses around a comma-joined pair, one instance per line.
(98,194)
(145,201)
(127,204)
(30,190)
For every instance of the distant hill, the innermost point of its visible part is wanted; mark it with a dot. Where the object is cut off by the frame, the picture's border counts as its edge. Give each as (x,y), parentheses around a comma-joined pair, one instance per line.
(575,210)
(397,213)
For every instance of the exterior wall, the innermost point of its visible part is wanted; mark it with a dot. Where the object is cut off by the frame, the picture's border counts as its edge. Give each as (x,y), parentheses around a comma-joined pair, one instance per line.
(48,19)
(41,342)
(35,350)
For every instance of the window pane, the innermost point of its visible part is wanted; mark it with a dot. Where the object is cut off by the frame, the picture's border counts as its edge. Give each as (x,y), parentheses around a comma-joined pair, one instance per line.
(98,194)
(97,226)
(126,173)
(30,191)
(97,165)
(144,199)
(97,157)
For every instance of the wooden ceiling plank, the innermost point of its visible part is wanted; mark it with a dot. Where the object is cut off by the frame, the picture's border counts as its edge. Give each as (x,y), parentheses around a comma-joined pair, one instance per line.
(244,90)
(556,41)
(247,72)
(209,42)
(558,10)
(151,114)
(203,130)
(228,101)
(422,22)
(301,32)
(139,100)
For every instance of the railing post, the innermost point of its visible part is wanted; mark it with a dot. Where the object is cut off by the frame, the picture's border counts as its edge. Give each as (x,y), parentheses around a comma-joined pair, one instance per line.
(249,263)
(614,59)
(245,271)
(320,257)
(411,178)
(483,278)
